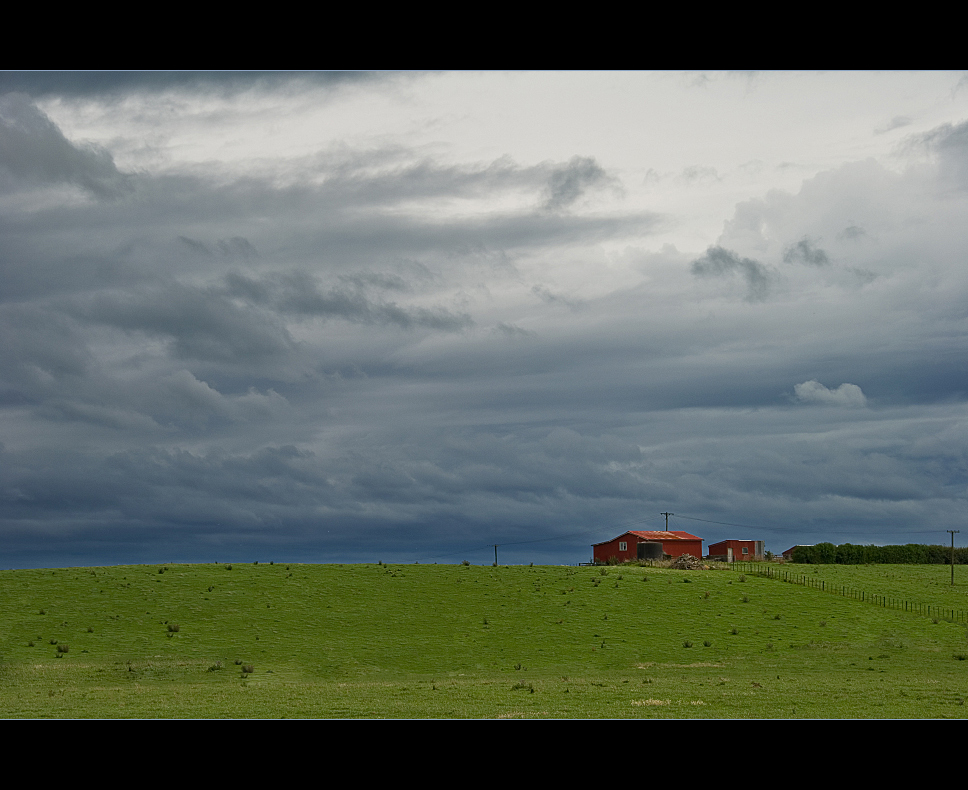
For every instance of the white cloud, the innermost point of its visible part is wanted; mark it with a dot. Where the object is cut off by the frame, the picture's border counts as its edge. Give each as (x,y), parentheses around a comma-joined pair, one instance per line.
(849,395)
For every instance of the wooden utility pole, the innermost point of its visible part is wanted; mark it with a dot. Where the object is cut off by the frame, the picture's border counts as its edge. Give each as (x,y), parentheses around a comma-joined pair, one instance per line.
(953,533)
(667,519)
(495,554)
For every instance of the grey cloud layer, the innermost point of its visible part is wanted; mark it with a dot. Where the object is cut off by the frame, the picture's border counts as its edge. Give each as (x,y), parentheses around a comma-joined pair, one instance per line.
(198,363)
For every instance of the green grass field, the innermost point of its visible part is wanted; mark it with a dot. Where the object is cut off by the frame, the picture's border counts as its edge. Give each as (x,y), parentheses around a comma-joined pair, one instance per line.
(432,641)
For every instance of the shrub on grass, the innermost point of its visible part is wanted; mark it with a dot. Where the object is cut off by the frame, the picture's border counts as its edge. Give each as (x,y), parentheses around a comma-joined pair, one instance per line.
(687,643)
(173,628)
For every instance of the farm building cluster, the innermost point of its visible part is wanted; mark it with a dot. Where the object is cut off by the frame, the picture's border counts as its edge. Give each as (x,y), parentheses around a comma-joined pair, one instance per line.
(661,544)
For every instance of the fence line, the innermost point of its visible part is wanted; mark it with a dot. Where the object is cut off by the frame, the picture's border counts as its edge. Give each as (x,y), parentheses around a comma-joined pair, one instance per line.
(927,610)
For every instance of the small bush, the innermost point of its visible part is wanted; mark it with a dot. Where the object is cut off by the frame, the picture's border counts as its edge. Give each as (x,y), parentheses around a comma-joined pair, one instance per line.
(248,669)
(687,643)
(63,649)
(707,643)
(173,628)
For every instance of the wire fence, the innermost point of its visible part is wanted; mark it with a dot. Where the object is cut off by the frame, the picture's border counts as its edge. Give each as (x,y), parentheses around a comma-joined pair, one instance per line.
(887,601)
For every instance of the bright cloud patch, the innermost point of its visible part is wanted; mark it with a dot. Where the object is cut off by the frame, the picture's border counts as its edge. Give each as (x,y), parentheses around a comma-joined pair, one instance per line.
(845,395)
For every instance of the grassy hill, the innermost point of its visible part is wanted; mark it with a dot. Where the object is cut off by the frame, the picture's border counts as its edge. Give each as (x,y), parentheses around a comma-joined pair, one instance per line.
(412,641)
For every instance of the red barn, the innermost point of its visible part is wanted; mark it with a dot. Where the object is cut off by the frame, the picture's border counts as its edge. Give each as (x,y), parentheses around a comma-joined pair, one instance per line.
(732,550)
(626,547)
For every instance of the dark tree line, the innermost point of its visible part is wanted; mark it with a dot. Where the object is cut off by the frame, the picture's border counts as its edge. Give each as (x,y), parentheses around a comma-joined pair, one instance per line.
(850,554)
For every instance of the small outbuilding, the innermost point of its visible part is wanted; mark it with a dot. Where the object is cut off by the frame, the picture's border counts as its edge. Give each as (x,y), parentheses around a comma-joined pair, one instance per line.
(733,550)
(642,544)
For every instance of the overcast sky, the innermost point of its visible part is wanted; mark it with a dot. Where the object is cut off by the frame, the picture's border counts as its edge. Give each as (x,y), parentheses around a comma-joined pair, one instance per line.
(340,317)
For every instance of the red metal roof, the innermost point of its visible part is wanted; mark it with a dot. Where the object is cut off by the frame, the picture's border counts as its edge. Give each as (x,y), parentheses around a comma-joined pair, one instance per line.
(654,535)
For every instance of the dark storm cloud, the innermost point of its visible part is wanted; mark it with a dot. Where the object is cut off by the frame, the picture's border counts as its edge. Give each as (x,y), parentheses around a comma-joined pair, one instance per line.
(852,232)
(568,183)
(106,83)
(389,175)
(720,262)
(199,323)
(806,252)
(299,293)
(950,143)
(34,150)
(42,351)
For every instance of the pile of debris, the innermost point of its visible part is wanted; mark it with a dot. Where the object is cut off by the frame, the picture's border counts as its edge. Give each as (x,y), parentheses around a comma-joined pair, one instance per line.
(688,563)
